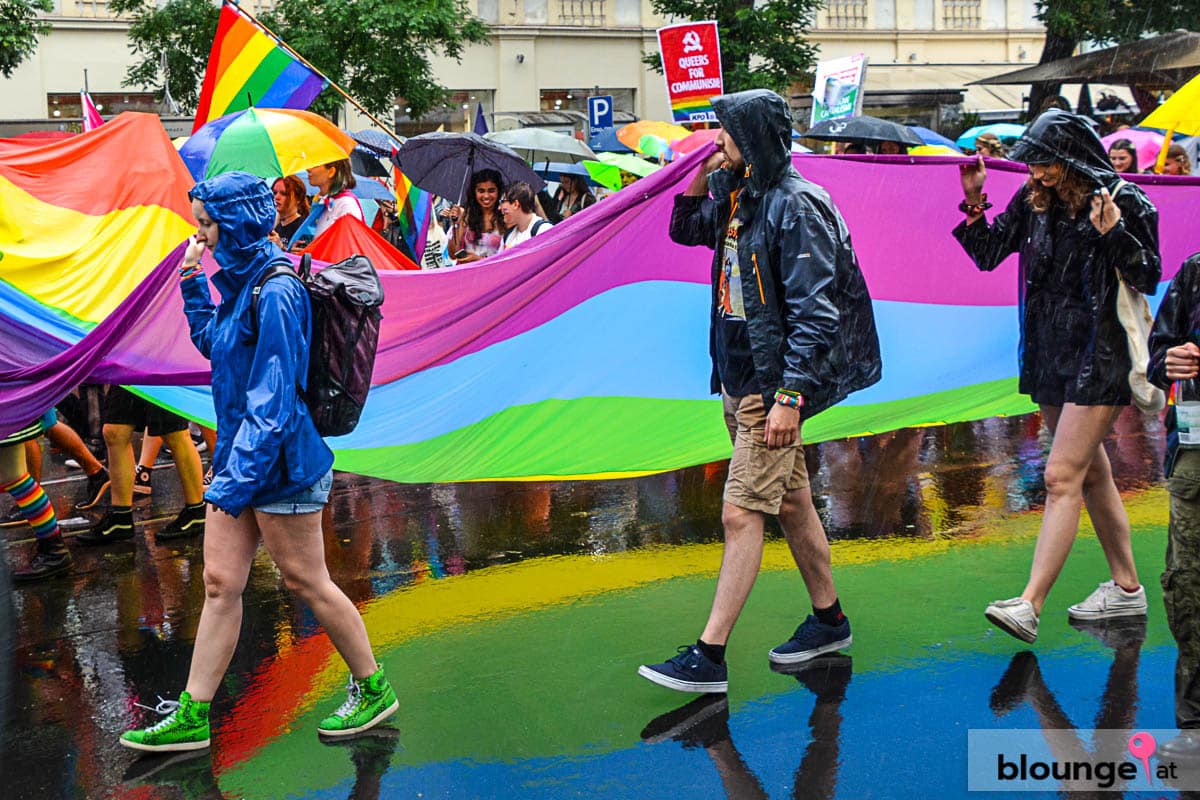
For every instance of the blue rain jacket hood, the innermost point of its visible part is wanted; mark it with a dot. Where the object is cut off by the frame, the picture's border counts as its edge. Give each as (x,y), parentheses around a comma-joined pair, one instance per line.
(268,448)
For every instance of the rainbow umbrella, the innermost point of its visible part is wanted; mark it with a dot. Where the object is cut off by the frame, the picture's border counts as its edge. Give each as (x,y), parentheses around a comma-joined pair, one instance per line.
(268,142)
(653,146)
(631,135)
(695,140)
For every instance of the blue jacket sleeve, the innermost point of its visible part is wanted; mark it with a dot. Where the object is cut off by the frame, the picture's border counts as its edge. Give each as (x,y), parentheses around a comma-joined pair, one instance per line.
(200,312)
(279,364)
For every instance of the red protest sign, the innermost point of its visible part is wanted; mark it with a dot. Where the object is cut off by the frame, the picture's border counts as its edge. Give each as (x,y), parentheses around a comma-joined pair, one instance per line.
(691,54)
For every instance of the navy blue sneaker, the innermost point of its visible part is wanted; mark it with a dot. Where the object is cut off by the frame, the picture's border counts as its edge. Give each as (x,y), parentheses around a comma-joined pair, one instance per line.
(690,671)
(812,639)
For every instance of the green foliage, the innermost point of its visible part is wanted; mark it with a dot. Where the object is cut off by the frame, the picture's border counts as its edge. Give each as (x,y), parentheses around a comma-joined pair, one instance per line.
(184,30)
(762,46)
(374,49)
(19,31)
(1108,21)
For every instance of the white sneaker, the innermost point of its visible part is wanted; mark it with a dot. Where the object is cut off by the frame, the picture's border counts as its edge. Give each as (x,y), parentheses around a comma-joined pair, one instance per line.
(72,464)
(1015,617)
(1110,600)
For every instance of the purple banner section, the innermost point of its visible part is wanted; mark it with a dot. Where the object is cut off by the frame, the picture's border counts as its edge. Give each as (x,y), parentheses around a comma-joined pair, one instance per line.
(144,340)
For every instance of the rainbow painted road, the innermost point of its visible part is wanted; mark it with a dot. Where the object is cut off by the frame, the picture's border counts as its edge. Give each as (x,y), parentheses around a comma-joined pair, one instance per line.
(512,617)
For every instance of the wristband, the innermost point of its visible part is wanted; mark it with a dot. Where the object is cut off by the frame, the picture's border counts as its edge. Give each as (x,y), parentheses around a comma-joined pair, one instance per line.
(975,209)
(789,398)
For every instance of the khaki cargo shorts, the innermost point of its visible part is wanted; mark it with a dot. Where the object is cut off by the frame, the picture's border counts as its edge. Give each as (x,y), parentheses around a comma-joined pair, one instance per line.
(758,477)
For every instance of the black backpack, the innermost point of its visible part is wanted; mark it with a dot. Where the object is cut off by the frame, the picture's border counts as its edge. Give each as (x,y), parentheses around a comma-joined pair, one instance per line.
(345,299)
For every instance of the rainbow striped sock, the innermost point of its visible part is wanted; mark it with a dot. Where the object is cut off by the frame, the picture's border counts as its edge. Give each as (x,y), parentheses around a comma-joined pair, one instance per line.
(34,506)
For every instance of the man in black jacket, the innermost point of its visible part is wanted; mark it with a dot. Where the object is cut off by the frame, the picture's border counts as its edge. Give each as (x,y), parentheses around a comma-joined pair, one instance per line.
(792,333)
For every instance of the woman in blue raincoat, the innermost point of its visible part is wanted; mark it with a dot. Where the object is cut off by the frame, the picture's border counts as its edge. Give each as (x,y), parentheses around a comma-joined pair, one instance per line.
(272,472)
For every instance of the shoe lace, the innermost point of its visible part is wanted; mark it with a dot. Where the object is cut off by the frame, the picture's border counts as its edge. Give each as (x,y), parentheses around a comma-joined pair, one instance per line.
(165,707)
(354,695)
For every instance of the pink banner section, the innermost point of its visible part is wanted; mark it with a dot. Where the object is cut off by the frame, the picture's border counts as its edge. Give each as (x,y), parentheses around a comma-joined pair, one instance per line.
(901,210)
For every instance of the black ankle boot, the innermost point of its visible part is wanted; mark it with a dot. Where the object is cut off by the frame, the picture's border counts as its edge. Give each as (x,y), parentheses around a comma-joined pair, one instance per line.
(51,558)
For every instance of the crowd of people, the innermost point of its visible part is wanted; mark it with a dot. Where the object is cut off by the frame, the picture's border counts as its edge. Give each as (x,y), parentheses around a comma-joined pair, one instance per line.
(792,333)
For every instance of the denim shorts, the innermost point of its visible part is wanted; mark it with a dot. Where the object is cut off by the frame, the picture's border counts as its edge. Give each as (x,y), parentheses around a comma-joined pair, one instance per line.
(306,501)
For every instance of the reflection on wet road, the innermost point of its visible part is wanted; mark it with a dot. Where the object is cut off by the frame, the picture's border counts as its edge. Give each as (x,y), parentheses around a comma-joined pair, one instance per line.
(512,618)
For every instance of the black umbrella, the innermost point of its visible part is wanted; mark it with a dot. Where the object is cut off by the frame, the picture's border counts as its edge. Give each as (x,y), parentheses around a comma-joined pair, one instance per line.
(377,142)
(443,163)
(863,129)
(363,161)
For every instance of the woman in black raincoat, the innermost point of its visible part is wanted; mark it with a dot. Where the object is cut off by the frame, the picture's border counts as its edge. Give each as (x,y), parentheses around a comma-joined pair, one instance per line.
(1078,229)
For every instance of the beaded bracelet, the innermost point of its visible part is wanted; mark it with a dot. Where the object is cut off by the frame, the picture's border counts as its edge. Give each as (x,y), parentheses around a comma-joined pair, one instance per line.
(789,398)
(187,271)
(975,209)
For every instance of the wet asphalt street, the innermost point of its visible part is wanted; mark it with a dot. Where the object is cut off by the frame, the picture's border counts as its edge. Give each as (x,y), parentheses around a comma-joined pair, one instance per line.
(512,616)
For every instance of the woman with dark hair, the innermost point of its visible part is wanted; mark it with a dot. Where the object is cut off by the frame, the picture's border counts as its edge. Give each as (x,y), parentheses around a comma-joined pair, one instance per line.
(1078,229)
(573,195)
(1123,156)
(272,472)
(333,183)
(291,201)
(478,229)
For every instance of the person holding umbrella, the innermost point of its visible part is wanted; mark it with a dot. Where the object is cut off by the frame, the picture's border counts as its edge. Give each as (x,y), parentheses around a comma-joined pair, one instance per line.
(1078,230)
(479,229)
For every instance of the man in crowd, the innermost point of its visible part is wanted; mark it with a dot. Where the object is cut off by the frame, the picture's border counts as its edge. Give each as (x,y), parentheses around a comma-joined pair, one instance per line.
(792,333)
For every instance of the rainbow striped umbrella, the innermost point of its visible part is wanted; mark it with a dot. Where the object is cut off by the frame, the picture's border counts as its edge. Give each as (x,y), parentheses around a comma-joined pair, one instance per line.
(268,142)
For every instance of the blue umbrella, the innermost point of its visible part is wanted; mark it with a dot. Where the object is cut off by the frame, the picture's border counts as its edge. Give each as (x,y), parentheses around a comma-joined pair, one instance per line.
(1001,130)
(607,142)
(553,171)
(933,137)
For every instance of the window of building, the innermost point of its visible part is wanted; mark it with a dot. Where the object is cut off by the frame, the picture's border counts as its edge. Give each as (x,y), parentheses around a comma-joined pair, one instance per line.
(582,12)
(961,15)
(489,10)
(628,13)
(844,15)
(67,105)
(922,11)
(536,12)
(456,114)
(577,99)
(885,15)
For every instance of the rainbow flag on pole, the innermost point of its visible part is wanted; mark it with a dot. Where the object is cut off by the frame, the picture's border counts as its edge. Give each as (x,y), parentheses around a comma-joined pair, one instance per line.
(247,66)
(413,208)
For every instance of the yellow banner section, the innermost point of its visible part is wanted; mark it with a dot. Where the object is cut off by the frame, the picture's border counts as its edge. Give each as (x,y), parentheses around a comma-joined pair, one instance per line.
(81,264)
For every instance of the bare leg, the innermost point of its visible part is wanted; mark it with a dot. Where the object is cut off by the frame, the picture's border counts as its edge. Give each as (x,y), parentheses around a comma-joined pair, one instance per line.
(210,438)
(119,439)
(12,462)
(1078,433)
(296,543)
(810,547)
(739,568)
(33,459)
(64,437)
(150,447)
(1104,506)
(187,461)
(229,546)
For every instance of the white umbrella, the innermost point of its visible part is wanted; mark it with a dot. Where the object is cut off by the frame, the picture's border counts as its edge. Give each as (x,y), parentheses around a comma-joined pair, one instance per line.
(538,145)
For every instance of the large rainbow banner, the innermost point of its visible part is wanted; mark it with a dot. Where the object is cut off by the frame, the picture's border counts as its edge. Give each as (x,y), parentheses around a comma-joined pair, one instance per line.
(581,354)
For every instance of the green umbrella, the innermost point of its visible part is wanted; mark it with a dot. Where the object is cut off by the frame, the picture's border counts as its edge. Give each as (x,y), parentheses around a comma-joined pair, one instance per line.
(638,166)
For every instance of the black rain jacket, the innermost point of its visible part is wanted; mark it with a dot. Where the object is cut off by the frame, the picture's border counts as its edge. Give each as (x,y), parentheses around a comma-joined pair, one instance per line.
(808,313)
(1177,323)
(1073,348)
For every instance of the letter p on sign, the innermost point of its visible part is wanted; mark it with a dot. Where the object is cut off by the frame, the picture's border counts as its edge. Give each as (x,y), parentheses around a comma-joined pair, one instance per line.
(600,112)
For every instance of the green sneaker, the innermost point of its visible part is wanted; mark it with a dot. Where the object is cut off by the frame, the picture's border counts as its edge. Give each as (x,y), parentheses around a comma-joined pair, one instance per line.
(184,728)
(368,702)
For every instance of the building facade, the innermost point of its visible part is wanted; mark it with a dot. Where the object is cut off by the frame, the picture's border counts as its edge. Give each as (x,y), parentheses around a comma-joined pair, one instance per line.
(548,56)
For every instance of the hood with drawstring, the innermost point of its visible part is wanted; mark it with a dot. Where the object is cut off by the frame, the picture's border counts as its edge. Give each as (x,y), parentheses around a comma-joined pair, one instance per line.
(243,207)
(760,124)
(1067,138)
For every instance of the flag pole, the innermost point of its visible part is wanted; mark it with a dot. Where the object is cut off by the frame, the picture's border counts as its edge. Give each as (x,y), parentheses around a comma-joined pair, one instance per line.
(308,64)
